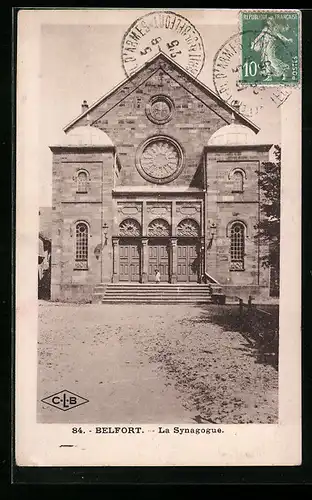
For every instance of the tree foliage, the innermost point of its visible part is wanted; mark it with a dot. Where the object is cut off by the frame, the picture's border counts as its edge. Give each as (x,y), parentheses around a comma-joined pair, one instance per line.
(268,228)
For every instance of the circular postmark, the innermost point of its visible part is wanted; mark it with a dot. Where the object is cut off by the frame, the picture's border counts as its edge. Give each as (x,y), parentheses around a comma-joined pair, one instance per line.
(167,31)
(227,73)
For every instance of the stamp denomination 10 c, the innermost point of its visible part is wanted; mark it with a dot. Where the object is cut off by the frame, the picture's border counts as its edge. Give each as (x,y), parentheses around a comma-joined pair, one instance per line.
(270,48)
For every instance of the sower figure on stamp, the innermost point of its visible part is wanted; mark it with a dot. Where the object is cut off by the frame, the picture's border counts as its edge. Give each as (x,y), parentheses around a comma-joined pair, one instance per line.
(267,44)
(157,276)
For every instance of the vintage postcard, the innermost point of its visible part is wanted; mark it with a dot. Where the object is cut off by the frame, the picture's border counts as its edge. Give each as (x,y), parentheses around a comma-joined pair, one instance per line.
(158,241)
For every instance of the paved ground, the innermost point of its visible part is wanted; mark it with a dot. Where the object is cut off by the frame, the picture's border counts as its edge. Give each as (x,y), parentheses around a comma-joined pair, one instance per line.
(151,363)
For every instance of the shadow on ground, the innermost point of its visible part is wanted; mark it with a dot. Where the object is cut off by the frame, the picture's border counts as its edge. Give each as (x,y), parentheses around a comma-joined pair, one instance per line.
(258,326)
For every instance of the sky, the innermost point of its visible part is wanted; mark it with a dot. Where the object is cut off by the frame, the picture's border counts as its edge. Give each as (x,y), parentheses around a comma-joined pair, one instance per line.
(82,60)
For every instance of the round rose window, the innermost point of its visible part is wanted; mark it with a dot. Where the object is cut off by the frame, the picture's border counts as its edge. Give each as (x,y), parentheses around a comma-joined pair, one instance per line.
(159,160)
(159,109)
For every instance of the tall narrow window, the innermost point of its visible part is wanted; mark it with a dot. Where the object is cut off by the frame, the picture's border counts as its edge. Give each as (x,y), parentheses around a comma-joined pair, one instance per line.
(81,246)
(237,248)
(238,182)
(82,182)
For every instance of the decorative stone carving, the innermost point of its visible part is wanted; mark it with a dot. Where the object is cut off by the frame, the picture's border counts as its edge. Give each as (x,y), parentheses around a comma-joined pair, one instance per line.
(129,227)
(188,228)
(159,159)
(188,209)
(158,209)
(81,264)
(159,109)
(158,227)
(237,266)
(129,209)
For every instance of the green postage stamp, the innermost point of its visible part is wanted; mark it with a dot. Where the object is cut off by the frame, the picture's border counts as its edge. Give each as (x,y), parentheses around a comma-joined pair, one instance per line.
(270,47)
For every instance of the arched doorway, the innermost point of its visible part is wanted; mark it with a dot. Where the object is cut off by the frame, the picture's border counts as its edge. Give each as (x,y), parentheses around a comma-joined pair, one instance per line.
(158,232)
(129,250)
(188,251)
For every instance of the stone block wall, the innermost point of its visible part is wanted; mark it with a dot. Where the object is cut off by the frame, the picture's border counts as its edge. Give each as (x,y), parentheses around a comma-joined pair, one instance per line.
(197,113)
(225,205)
(69,207)
(123,116)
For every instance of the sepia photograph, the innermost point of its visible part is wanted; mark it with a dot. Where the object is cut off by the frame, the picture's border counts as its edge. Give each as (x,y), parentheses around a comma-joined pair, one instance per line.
(160,149)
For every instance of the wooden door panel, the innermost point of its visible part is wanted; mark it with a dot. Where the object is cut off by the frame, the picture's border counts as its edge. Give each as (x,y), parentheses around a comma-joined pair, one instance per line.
(129,261)
(158,259)
(193,263)
(182,274)
(188,262)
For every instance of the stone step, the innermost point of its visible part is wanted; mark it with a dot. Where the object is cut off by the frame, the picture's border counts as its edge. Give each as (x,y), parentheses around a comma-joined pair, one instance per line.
(142,296)
(155,290)
(151,284)
(150,293)
(145,300)
(149,290)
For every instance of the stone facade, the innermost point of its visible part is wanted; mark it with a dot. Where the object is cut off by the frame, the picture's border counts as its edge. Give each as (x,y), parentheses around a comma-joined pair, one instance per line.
(153,192)
(225,206)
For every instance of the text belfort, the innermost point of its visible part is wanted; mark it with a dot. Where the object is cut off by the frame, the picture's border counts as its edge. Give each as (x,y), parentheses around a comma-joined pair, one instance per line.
(160,430)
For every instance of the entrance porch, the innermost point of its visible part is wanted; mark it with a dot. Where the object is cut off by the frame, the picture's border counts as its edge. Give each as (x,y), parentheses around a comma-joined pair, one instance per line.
(178,259)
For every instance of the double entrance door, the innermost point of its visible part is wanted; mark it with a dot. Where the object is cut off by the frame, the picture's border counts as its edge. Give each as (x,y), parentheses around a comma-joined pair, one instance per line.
(186,265)
(188,260)
(129,260)
(158,258)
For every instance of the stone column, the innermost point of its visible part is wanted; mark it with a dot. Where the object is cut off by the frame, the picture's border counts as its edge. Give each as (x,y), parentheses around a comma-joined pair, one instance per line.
(144,220)
(115,260)
(144,260)
(174,217)
(173,260)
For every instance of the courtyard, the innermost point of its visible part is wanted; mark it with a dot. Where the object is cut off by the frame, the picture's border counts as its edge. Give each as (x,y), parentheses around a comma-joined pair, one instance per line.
(159,363)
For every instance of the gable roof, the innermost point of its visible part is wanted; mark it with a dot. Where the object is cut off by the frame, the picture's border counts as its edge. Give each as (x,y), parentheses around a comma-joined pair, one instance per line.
(159,57)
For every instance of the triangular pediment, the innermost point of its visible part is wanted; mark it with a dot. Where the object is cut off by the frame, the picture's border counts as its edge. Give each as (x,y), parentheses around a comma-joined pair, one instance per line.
(151,74)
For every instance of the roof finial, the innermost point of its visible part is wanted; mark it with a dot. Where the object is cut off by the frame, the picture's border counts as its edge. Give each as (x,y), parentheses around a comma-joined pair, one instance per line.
(235,106)
(84,106)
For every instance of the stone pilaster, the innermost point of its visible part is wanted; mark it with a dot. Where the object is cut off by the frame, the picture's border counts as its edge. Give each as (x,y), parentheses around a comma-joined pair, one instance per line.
(57,229)
(115,260)
(211,214)
(174,217)
(173,260)
(144,260)
(144,220)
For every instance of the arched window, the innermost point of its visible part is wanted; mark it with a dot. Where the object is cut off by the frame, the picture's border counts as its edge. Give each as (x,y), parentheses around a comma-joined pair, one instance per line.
(158,227)
(82,182)
(129,227)
(238,182)
(188,228)
(237,247)
(82,234)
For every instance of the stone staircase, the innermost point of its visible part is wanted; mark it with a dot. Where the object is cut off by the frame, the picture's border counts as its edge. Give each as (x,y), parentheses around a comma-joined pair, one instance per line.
(150,293)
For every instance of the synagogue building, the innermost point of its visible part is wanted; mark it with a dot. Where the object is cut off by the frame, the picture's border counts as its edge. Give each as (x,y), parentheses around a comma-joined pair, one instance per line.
(159,174)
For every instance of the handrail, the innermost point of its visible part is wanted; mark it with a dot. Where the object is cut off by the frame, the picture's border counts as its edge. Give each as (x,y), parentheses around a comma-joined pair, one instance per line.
(210,279)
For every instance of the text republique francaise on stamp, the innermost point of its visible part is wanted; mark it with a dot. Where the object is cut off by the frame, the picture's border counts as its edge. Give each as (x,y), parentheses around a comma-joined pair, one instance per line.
(259,62)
